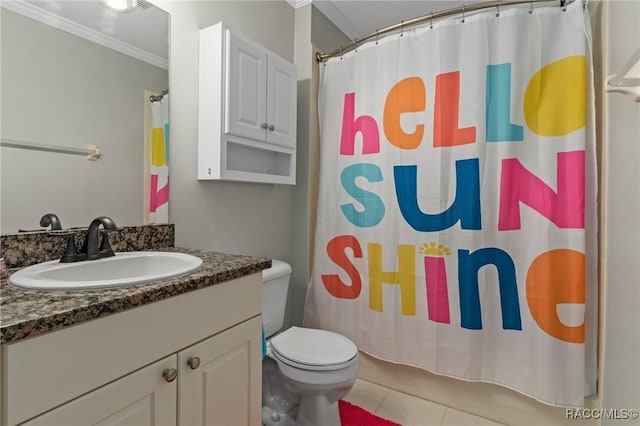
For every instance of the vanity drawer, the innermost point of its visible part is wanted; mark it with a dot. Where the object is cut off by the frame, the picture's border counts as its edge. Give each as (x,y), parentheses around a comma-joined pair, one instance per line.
(46,371)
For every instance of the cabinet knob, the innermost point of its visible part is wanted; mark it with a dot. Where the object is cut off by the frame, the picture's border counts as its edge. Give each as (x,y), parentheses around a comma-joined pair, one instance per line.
(193,362)
(271,128)
(265,126)
(170,374)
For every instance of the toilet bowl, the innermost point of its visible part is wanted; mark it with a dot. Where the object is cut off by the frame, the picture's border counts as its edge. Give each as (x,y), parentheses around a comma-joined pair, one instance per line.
(306,371)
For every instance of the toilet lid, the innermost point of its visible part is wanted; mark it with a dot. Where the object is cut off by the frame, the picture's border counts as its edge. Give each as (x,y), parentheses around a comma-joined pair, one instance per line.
(312,347)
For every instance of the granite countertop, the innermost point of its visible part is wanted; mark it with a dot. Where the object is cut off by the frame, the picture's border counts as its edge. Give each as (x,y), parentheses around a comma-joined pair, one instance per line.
(28,313)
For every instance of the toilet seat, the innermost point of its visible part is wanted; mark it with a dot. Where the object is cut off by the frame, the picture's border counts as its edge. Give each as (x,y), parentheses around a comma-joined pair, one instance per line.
(313,349)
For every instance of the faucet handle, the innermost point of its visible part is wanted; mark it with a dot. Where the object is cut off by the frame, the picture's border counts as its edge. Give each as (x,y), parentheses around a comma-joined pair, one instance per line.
(105,247)
(71,252)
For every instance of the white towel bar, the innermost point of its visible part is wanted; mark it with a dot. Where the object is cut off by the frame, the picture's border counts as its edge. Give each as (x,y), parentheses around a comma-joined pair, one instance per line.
(91,151)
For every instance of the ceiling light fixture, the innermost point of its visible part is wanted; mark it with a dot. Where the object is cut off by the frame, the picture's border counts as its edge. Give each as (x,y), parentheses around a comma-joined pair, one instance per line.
(120,5)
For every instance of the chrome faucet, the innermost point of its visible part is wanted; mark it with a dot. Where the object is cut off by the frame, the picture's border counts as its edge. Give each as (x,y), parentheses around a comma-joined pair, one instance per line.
(90,249)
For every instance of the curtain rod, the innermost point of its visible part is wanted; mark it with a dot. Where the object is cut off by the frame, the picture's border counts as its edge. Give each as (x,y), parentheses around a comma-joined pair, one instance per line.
(156,98)
(320,57)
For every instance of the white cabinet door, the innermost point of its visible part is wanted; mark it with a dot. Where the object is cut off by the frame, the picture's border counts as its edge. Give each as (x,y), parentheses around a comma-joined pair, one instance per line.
(141,398)
(246,89)
(247,110)
(223,387)
(281,102)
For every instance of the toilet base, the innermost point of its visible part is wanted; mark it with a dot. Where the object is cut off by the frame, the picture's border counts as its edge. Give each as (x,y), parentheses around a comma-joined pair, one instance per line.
(271,417)
(312,400)
(277,400)
(313,407)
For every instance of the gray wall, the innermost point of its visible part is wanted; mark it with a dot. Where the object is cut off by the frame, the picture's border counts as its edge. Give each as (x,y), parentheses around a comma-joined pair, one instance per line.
(621,218)
(61,89)
(312,29)
(324,34)
(232,217)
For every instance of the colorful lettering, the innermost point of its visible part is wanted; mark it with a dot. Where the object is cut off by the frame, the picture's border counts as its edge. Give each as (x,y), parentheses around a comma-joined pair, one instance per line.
(408,95)
(157,197)
(555,100)
(446,113)
(336,251)
(435,274)
(498,104)
(556,277)
(404,277)
(465,208)
(553,106)
(159,149)
(468,266)
(564,207)
(365,125)
(373,210)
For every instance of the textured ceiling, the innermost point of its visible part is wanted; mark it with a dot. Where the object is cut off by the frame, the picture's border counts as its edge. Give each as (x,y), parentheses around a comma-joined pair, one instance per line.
(145,28)
(357,18)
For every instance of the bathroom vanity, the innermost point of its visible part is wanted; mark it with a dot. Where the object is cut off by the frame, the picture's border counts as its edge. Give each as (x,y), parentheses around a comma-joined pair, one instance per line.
(180,351)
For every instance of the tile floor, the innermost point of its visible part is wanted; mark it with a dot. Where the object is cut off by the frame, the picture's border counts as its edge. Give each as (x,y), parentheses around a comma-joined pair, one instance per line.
(409,410)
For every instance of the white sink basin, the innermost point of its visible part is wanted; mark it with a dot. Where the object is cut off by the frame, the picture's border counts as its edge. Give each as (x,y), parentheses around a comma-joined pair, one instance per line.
(121,270)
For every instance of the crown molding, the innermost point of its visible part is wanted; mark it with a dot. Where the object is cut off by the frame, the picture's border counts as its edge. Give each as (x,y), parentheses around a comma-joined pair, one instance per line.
(56,21)
(298,3)
(335,15)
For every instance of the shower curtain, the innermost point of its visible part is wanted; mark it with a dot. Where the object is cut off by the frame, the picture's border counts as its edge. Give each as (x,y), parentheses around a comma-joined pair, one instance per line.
(456,212)
(159,170)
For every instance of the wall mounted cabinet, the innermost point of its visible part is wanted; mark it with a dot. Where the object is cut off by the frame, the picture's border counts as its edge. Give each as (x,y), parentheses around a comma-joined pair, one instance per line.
(247,110)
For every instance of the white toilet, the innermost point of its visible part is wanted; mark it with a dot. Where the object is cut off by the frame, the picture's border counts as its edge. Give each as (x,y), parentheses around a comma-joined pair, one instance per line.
(306,371)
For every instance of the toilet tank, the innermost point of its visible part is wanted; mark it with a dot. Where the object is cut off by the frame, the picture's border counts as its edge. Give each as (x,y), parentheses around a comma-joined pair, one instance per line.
(275,287)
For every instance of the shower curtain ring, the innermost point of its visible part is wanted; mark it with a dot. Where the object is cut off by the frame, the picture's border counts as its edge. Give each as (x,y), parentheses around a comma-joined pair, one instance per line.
(498,9)
(431,26)
(463,13)
(401,28)
(531,8)
(376,37)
